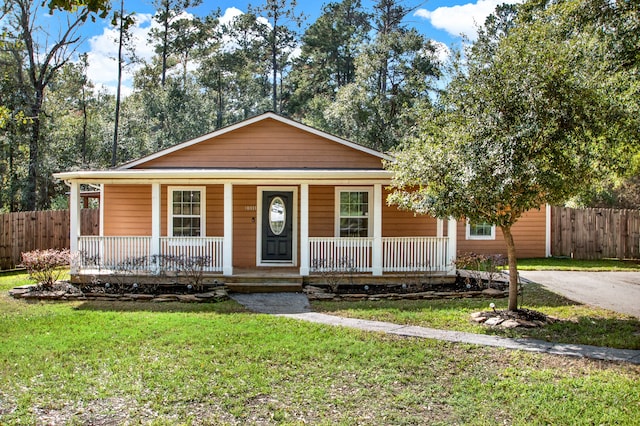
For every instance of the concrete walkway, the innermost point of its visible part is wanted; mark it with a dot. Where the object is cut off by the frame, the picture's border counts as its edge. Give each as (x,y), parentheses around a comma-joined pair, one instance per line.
(616,291)
(296,306)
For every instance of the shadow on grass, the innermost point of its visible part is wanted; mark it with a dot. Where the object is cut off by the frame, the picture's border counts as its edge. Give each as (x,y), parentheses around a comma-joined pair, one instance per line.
(534,296)
(224,307)
(608,332)
(578,323)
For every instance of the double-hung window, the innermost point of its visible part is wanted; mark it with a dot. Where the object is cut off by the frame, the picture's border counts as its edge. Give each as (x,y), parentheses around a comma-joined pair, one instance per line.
(186,212)
(480,231)
(352,212)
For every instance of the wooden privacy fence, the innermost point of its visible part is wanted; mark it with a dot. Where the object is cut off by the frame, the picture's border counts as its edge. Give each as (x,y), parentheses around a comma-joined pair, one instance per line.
(595,233)
(25,231)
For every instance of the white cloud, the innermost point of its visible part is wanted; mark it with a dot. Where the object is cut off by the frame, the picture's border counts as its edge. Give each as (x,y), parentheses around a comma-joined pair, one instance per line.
(462,19)
(442,52)
(229,14)
(103,53)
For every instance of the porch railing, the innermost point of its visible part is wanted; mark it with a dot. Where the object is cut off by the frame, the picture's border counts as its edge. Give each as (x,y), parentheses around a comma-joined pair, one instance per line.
(399,254)
(412,254)
(135,254)
(206,250)
(114,253)
(340,254)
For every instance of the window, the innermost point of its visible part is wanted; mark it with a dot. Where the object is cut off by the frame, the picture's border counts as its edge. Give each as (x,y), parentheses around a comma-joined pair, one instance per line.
(481,231)
(186,212)
(352,212)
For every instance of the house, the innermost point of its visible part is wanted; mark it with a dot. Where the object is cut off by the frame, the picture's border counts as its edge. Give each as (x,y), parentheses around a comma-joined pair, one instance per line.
(265,194)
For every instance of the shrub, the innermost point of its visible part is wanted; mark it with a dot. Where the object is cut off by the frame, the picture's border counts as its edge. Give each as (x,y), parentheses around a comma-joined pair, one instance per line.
(46,266)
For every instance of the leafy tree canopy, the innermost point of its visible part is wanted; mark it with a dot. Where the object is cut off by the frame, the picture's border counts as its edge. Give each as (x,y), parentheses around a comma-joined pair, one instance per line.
(99,7)
(537,109)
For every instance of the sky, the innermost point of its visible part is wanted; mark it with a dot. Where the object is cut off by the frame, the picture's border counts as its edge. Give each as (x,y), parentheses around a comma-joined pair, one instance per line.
(443,21)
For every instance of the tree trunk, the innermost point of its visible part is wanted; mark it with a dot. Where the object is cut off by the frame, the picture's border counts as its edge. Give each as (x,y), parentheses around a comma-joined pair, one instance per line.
(165,42)
(116,124)
(513,267)
(31,196)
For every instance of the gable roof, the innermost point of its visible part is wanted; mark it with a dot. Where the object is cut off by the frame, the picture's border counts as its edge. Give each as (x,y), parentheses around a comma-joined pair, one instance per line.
(249,122)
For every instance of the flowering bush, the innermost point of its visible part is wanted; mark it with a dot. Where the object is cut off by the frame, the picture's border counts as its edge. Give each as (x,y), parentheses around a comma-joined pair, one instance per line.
(46,266)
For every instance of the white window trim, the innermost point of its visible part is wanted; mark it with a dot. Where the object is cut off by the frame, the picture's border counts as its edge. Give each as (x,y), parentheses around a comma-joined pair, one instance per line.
(203,207)
(340,189)
(480,237)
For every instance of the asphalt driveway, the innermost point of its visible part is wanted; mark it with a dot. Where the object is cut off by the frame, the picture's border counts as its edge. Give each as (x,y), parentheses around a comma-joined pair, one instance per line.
(617,291)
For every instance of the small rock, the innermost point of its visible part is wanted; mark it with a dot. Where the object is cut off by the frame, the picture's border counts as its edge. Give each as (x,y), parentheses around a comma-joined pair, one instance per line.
(492,292)
(18,292)
(209,295)
(321,296)
(25,287)
(168,296)
(494,321)
(314,289)
(479,320)
(188,298)
(162,300)
(509,324)
(528,324)
(139,296)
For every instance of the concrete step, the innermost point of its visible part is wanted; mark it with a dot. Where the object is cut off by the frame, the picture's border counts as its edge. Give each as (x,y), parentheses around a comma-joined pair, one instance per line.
(265,287)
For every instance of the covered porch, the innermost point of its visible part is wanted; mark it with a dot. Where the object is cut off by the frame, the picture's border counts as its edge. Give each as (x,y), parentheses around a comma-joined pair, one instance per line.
(239,224)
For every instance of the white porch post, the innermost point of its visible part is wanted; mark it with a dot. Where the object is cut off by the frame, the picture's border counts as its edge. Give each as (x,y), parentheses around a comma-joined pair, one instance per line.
(452,234)
(227,245)
(376,252)
(547,236)
(154,249)
(74,222)
(304,229)
(439,228)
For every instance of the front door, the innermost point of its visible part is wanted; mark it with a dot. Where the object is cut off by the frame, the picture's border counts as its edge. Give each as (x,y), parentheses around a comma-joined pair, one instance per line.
(277,226)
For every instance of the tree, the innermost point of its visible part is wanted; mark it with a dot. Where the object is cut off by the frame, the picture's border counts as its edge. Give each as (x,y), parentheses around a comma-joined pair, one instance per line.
(167,15)
(394,76)
(99,7)
(123,21)
(328,54)
(280,37)
(37,64)
(235,70)
(528,118)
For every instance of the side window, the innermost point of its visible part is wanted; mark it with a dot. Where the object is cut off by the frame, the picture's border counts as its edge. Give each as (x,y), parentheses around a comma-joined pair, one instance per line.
(353,213)
(186,212)
(480,231)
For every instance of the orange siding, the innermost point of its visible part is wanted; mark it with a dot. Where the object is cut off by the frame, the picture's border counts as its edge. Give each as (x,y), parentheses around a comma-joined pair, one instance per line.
(268,144)
(321,211)
(245,219)
(528,233)
(127,210)
(215,210)
(398,223)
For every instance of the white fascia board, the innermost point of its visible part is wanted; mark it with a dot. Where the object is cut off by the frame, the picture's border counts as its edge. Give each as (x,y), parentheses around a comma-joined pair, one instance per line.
(248,122)
(239,176)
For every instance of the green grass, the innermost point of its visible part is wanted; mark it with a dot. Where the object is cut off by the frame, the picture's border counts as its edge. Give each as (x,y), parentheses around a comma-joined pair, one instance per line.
(566,264)
(580,324)
(143,363)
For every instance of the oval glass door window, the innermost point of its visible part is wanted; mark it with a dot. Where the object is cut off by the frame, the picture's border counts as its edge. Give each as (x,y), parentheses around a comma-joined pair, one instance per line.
(277,216)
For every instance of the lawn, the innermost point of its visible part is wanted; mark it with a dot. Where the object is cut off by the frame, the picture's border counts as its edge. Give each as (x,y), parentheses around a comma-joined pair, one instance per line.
(579,324)
(566,264)
(143,363)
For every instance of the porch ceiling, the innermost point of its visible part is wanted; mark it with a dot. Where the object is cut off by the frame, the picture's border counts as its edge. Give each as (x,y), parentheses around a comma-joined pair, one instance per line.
(239,176)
